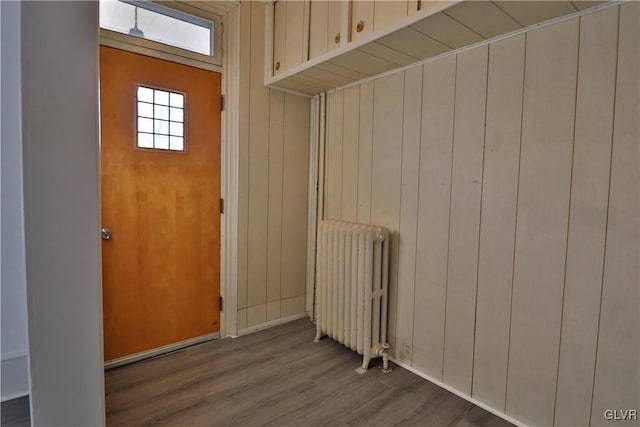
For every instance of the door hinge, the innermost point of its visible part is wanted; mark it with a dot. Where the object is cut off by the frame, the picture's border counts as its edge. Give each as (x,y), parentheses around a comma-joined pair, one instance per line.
(221,103)
(221,301)
(221,206)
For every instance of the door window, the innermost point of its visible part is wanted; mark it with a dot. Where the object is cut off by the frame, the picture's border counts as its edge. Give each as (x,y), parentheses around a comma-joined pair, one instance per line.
(160,119)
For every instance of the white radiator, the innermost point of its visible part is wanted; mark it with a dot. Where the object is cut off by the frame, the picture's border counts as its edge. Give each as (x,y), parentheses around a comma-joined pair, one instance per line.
(352,283)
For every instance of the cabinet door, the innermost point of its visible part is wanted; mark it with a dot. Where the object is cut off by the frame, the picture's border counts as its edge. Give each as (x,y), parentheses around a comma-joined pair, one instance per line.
(295,36)
(334,34)
(290,34)
(279,41)
(361,18)
(318,27)
(388,12)
(375,15)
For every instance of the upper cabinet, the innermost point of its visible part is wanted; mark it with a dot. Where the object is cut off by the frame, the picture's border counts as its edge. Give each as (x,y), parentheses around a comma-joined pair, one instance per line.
(370,16)
(316,45)
(290,34)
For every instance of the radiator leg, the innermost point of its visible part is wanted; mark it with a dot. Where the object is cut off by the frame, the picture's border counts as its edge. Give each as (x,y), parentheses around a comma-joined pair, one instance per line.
(365,365)
(318,333)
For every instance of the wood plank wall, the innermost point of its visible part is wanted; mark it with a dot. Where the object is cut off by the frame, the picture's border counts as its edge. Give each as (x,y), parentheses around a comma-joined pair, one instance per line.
(509,176)
(273,186)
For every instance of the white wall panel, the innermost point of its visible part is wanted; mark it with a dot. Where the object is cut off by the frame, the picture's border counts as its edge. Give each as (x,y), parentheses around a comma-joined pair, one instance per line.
(588,216)
(617,384)
(543,212)
(464,228)
(498,220)
(438,95)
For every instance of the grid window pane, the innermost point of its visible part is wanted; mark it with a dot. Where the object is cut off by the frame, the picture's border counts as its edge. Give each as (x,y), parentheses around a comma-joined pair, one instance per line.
(161,112)
(177,100)
(145,94)
(161,97)
(161,127)
(176,143)
(145,125)
(177,115)
(157,120)
(145,109)
(176,129)
(145,140)
(161,142)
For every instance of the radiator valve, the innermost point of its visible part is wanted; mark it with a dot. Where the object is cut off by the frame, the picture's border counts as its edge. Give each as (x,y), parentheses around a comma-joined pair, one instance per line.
(383,351)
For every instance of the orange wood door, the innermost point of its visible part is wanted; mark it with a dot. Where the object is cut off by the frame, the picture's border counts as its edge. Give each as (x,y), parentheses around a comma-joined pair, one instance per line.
(161,267)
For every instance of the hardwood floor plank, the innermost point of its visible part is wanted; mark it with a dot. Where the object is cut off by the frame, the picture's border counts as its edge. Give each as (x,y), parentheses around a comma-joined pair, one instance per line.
(278,377)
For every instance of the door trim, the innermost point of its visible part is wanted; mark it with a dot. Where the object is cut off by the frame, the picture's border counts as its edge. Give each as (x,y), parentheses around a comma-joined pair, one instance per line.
(124,360)
(230,159)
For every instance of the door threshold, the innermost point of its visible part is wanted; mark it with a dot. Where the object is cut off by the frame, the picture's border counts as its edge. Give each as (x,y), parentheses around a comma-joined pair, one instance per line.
(136,357)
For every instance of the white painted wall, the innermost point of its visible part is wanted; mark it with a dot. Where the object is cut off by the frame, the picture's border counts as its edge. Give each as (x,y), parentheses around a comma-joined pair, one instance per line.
(14,345)
(62,211)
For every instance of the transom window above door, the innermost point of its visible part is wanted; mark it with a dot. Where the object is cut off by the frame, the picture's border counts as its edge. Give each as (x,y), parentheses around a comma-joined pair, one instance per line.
(152,21)
(172,30)
(160,119)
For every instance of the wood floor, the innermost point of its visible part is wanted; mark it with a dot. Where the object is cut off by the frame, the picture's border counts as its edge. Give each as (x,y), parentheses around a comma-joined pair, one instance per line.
(278,377)
(15,413)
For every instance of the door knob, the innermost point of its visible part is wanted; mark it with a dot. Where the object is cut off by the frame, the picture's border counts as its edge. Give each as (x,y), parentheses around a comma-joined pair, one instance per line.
(106,234)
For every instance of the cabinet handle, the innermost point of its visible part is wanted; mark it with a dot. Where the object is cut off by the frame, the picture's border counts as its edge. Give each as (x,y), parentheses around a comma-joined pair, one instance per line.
(277,65)
(337,39)
(360,26)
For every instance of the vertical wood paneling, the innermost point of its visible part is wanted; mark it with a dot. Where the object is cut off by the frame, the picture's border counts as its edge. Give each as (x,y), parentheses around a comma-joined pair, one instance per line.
(334,155)
(466,193)
(408,211)
(388,96)
(279,37)
(438,90)
(361,11)
(318,23)
(365,136)
(617,369)
(256,315)
(294,47)
(525,216)
(273,311)
(258,167)
(498,220)
(274,211)
(543,210)
(294,197)
(273,148)
(350,130)
(587,221)
(243,153)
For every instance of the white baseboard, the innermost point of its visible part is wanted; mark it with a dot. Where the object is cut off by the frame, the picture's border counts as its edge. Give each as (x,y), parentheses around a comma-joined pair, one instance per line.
(458,393)
(271,324)
(15,375)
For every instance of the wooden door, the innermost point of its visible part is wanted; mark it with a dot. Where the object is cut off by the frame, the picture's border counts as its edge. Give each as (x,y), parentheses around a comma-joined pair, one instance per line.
(161,266)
